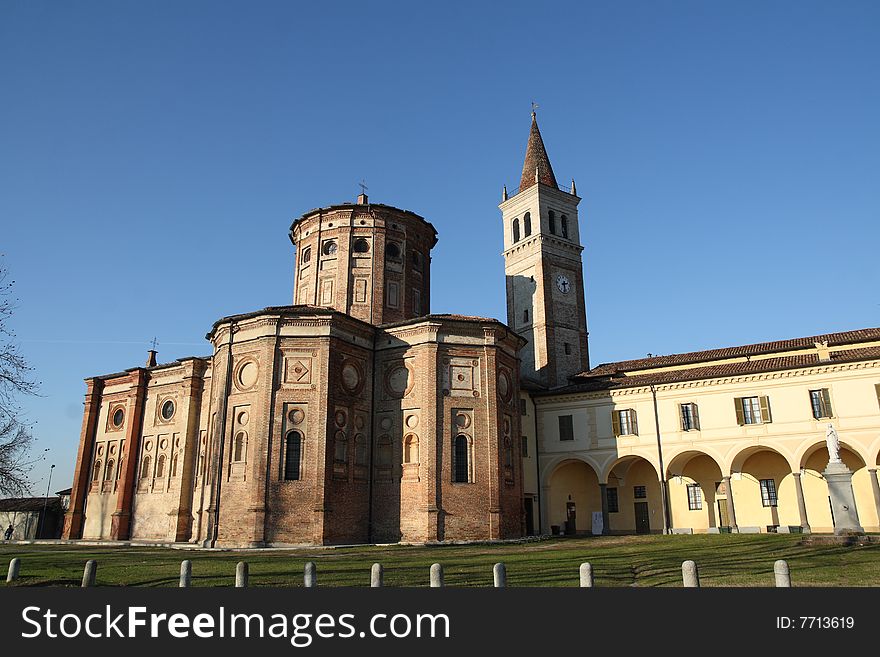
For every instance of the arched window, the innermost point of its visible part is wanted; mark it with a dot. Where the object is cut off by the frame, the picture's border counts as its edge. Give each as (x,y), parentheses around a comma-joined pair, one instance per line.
(145,468)
(392,251)
(340,452)
(552,222)
(461,467)
(516,230)
(292,455)
(174,465)
(202,465)
(565,226)
(240,447)
(411,449)
(508,453)
(96,472)
(160,466)
(384,451)
(361,245)
(306,255)
(527,225)
(417,260)
(360,450)
(108,471)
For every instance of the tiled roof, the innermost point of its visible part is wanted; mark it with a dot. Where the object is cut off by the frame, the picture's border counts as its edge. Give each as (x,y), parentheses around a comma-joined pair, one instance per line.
(604,378)
(30,504)
(761,348)
(536,158)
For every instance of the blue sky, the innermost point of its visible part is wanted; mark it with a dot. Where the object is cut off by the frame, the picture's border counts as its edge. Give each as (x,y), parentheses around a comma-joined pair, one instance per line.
(152,156)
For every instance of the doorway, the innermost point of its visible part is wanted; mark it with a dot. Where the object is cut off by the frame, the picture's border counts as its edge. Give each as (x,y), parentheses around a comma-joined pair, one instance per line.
(570,518)
(723,520)
(643,522)
(530,521)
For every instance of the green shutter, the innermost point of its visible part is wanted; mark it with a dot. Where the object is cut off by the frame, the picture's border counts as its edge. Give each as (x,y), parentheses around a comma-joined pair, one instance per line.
(635,421)
(738,406)
(615,422)
(681,417)
(696,416)
(765,410)
(826,400)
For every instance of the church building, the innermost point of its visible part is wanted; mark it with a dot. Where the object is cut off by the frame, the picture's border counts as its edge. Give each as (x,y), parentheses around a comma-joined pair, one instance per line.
(356,415)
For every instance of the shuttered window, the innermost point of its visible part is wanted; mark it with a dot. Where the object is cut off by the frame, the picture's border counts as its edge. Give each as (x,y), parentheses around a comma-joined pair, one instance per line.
(625,422)
(820,401)
(690,417)
(752,410)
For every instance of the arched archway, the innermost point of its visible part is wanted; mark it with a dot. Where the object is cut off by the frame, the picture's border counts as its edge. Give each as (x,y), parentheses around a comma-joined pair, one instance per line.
(573,496)
(814,460)
(634,485)
(697,499)
(764,490)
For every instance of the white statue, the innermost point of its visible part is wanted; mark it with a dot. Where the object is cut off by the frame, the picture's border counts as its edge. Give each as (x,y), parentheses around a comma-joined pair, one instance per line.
(833,444)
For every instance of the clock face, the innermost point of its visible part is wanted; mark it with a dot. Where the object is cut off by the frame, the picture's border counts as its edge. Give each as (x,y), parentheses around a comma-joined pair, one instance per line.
(563,284)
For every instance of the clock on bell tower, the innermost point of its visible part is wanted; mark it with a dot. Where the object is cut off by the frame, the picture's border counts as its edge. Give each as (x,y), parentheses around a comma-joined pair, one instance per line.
(544,273)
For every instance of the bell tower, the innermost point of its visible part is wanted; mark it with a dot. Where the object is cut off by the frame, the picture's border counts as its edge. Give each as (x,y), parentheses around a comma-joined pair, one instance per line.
(543,269)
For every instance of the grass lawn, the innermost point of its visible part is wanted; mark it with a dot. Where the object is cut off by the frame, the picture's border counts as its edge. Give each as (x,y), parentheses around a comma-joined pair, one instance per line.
(723,560)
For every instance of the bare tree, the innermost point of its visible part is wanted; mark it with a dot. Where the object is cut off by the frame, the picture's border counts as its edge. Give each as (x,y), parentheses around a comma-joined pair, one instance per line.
(16,379)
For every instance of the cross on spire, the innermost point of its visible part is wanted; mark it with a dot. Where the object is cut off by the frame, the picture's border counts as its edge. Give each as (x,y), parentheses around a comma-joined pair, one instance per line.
(363,185)
(534,107)
(154,343)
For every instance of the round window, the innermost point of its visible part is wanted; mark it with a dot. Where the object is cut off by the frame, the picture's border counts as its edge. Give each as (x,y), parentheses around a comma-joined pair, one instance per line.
(329,248)
(118,417)
(361,246)
(168,410)
(392,250)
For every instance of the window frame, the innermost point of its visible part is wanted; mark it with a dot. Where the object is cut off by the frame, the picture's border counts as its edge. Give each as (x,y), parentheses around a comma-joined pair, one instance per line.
(293,437)
(695,497)
(568,422)
(769,493)
(612,499)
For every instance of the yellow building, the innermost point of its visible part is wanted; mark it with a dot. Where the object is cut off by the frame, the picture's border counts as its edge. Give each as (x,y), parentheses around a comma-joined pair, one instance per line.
(734,437)
(722,440)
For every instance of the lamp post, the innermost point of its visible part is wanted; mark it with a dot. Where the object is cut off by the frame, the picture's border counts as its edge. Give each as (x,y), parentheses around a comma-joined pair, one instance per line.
(45,502)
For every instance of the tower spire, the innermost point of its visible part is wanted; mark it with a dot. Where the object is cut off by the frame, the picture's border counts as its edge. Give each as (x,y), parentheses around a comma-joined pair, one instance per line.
(536,167)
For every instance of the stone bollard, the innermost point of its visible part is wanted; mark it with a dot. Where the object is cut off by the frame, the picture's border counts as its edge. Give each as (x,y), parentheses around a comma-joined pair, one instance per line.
(186,570)
(436,575)
(782,574)
(310,575)
(90,573)
(14,567)
(377,575)
(241,575)
(690,574)
(499,574)
(586,574)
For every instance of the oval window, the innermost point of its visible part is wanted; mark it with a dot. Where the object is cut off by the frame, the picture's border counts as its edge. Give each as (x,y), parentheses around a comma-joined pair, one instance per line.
(361,246)
(329,248)
(168,410)
(118,417)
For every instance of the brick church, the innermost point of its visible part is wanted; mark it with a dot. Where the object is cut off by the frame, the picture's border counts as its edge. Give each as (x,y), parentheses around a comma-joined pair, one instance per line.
(355,415)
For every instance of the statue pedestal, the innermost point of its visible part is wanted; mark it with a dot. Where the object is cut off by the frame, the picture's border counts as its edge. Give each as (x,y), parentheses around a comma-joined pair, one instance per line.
(843,503)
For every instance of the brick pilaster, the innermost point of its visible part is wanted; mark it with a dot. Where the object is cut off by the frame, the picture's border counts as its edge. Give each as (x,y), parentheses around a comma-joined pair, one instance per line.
(73,519)
(120,527)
